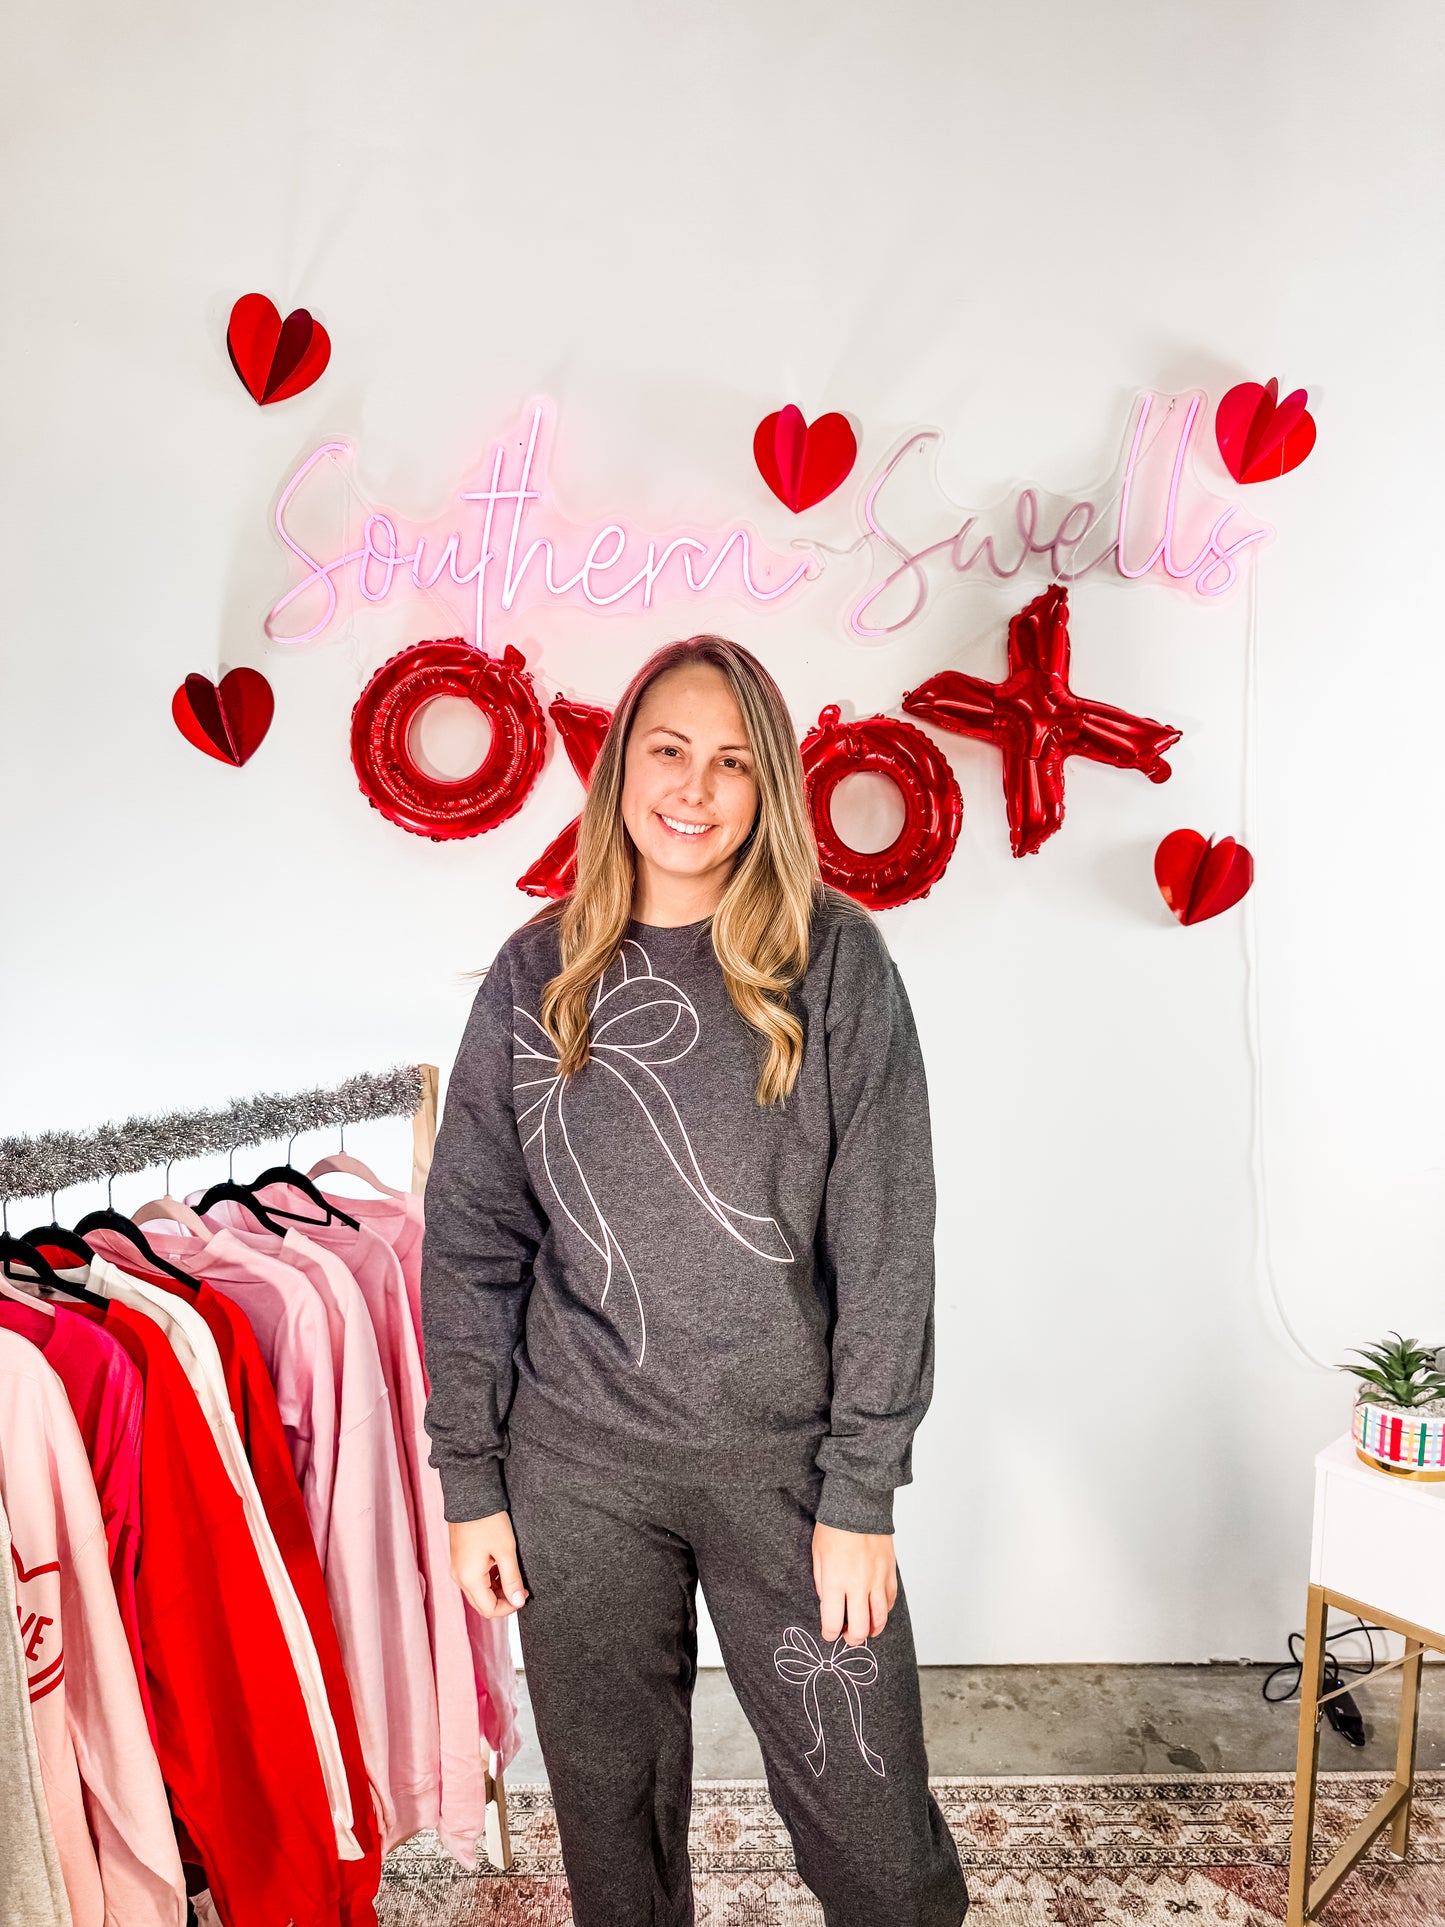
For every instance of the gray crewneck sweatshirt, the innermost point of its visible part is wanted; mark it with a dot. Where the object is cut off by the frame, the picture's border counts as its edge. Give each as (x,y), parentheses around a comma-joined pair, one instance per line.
(643,1267)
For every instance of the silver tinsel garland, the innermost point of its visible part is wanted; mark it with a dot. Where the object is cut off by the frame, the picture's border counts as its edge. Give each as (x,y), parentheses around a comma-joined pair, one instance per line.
(30,1167)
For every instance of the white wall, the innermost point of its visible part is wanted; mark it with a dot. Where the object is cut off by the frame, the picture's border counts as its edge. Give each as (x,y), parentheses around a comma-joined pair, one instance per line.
(1001,221)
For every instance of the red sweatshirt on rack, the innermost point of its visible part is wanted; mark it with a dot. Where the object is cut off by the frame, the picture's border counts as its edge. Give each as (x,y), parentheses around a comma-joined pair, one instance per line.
(235,1743)
(253,1404)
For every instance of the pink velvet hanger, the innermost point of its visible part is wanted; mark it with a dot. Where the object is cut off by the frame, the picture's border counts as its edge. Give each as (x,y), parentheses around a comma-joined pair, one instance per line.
(173,1209)
(176,1211)
(344,1162)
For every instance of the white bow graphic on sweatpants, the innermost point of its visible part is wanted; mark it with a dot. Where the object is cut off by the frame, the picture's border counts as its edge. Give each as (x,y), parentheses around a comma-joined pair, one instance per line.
(800,1659)
(638,1022)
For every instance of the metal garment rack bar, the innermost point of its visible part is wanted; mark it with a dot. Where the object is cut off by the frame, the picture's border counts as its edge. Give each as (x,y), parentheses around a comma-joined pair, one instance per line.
(32,1167)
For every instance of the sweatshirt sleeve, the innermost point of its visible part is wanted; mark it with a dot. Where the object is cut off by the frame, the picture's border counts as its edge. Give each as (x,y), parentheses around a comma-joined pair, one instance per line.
(483,1227)
(875,1235)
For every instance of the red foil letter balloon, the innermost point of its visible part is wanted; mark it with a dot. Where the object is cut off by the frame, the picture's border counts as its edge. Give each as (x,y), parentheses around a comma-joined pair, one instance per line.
(582,727)
(394,782)
(1038,721)
(932,806)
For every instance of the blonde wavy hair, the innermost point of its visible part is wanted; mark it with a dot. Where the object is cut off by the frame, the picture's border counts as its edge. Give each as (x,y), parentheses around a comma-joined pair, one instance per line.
(760,930)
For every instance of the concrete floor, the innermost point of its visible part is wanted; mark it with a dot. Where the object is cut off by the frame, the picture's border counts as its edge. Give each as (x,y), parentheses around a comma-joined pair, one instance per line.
(1082,1719)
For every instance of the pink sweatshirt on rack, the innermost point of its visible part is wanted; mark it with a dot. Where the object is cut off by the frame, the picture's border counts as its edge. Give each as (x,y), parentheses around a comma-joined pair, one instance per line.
(104,1390)
(103,1785)
(401,1222)
(475,1674)
(292,1329)
(374,1479)
(369,1556)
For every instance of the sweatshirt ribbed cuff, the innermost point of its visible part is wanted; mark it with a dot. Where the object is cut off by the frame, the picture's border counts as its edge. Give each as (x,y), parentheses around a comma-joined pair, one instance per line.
(472,1489)
(853,1507)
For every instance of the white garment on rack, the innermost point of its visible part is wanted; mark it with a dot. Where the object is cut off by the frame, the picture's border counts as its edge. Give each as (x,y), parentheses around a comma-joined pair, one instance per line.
(196,1354)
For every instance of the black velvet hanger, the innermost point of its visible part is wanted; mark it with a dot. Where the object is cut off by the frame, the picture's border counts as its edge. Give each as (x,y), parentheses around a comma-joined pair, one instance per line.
(111,1220)
(59,1239)
(298,1180)
(230,1192)
(38,1270)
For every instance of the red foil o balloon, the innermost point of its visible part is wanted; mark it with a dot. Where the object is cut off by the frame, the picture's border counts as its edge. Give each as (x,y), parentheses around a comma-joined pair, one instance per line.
(932,806)
(394,782)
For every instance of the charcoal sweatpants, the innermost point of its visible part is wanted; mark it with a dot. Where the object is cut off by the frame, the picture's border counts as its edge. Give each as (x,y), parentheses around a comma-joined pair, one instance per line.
(609,1641)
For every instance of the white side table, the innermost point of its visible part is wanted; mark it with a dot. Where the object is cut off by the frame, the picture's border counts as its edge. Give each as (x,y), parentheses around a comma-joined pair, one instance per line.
(1379,1551)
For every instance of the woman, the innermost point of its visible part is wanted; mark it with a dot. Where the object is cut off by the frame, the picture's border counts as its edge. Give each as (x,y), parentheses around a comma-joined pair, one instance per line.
(677,1289)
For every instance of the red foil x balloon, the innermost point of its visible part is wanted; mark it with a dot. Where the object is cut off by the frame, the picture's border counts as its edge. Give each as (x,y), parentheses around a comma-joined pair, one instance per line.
(581,727)
(1038,721)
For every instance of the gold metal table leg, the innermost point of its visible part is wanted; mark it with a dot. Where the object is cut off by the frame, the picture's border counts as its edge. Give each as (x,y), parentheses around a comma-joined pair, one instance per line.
(1405,1748)
(1307,1756)
(1392,1810)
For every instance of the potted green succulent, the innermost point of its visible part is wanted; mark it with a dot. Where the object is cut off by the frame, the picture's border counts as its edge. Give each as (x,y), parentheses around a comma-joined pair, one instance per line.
(1399,1421)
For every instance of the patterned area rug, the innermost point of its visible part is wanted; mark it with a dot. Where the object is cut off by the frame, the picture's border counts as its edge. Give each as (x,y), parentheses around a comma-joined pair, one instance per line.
(1117,1850)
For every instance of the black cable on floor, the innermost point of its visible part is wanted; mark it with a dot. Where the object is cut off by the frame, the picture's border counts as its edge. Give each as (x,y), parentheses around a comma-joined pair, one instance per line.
(1342,1713)
(1334,1668)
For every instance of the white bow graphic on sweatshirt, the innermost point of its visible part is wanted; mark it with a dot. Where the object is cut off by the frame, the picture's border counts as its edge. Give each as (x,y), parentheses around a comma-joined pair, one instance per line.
(639,1023)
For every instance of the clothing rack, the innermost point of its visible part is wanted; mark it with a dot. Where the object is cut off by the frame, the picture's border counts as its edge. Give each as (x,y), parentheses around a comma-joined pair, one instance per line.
(32,1167)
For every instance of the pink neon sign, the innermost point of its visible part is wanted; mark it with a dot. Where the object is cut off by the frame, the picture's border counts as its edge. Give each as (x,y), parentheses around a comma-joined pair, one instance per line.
(497,554)
(1085,534)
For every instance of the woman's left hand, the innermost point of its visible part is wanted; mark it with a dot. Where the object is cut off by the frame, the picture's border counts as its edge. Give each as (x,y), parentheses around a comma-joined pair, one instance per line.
(856,1581)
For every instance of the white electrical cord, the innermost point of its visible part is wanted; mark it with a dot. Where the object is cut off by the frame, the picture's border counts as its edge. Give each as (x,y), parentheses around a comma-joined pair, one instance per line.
(1263,1228)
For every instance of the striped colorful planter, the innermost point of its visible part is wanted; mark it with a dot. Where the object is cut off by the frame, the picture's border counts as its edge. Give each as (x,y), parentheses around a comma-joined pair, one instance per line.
(1411,1444)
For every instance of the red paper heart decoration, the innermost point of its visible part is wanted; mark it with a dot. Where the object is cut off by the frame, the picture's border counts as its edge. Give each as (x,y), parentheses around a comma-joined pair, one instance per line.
(802,464)
(1199,878)
(228,722)
(1260,436)
(274,358)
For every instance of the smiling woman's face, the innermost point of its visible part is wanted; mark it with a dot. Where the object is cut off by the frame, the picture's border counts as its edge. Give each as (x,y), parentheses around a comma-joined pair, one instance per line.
(689,793)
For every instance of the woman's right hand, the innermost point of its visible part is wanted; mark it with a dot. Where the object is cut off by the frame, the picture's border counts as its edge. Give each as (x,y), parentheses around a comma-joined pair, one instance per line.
(484,1564)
